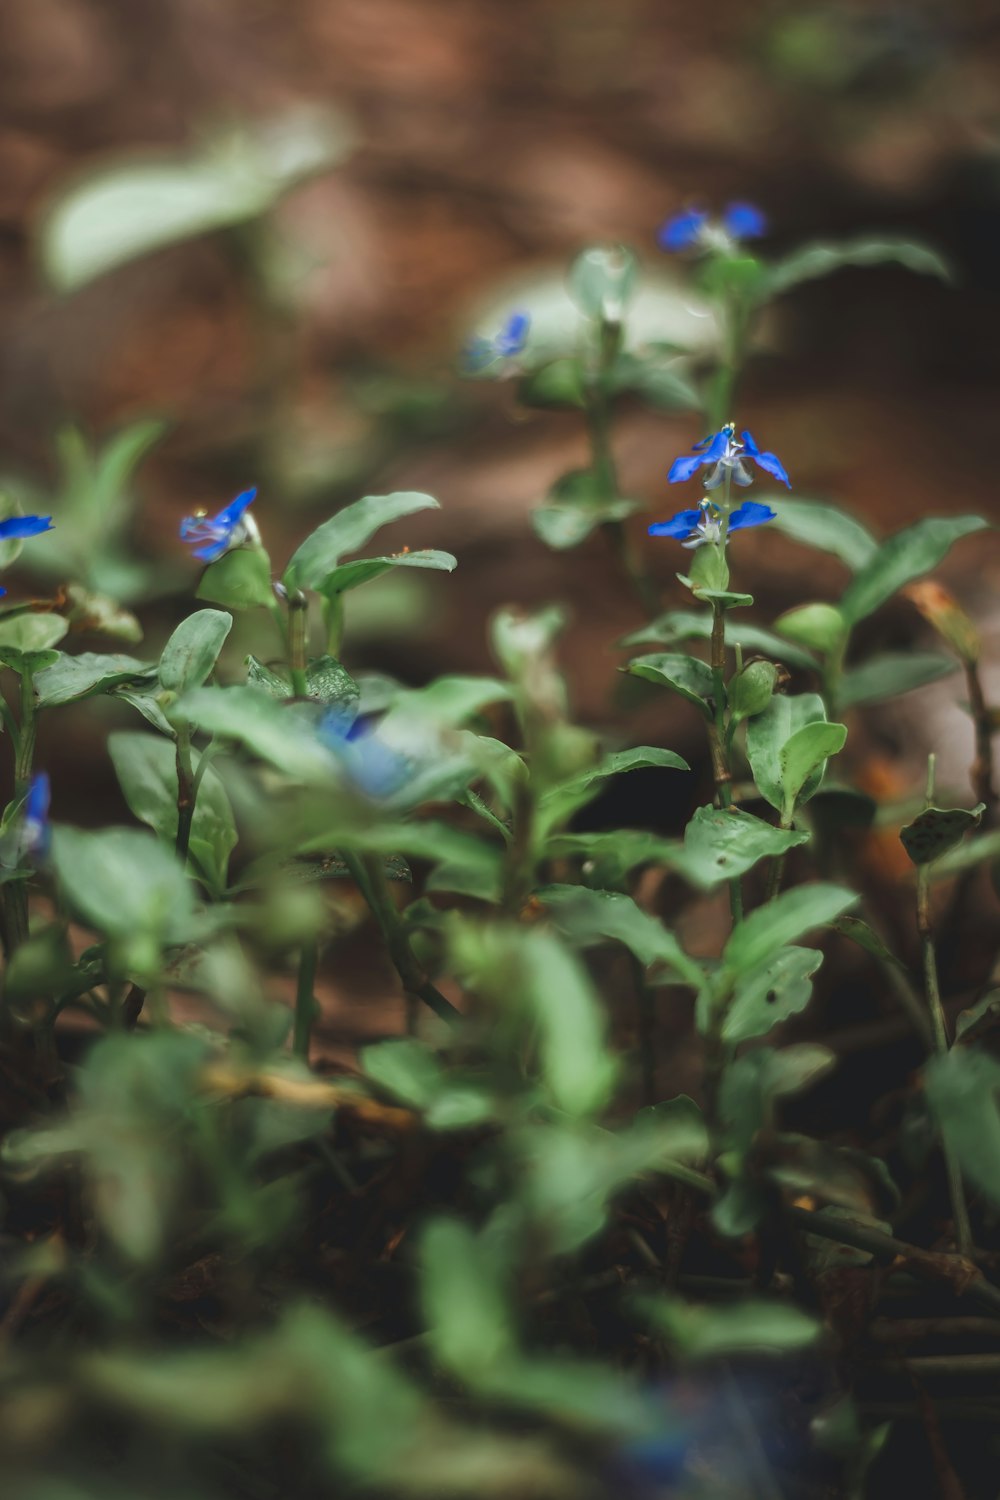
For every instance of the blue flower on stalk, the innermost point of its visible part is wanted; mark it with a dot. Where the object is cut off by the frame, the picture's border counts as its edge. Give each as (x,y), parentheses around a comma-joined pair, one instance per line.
(36,835)
(703,525)
(371,765)
(214,535)
(16,527)
(693,229)
(726,456)
(509,341)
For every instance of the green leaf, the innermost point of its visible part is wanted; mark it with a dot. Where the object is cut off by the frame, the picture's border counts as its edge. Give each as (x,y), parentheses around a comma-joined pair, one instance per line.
(587,917)
(859,932)
(812,261)
(602,280)
(803,757)
(907,555)
(132,208)
(966,856)
(770,995)
(241,579)
(938,829)
(558,384)
(405,1069)
(752,1326)
(720,844)
(330,683)
(147,772)
(74,677)
(691,678)
(144,697)
(124,884)
(351,575)
(978,1021)
(610,857)
(660,382)
(827,528)
(754,1081)
(890,674)
(690,625)
(568,524)
(317,558)
(464,1295)
(31,633)
(280,733)
(530,971)
(768,734)
(819,626)
(962,1090)
(789,916)
(560,802)
(190,655)
(259,675)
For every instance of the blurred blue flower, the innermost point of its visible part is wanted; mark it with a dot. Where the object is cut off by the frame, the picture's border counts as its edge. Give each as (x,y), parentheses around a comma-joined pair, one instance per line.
(508,342)
(370,764)
(36,834)
(726,456)
(693,229)
(214,535)
(705,524)
(22,526)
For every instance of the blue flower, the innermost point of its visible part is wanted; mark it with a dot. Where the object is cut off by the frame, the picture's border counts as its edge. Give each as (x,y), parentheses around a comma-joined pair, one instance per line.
(705,524)
(36,834)
(215,535)
(693,229)
(726,456)
(371,765)
(508,342)
(22,526)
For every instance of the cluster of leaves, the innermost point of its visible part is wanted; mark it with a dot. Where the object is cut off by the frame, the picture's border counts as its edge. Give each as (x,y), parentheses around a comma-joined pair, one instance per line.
(269,790)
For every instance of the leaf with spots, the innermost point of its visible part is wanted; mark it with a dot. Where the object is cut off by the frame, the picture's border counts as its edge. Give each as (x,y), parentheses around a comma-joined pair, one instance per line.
(938,829)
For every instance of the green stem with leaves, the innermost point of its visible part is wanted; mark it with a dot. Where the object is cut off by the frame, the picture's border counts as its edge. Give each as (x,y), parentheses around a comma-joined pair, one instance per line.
(939,1032)
(369,876)
(186,790)
(298,623)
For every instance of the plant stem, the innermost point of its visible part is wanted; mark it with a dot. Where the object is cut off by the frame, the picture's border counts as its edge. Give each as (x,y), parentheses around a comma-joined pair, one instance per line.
(981,772)
(717,740)
(15,892)
(298,621)
(306,1009)
(368,875)
(186,791)
(939,1033)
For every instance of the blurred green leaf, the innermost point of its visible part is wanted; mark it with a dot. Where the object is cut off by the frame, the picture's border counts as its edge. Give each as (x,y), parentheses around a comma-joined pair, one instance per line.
(825,527)
(558,803)
(464,1294)
(602,280)
(963,1090)
(283,734)
(818,626)
(127,886)
(134,207)
(557,384)
(688,625)
(753,1326)
(31,633)
(147,772)
(907,555)
(351,575)
(890,674)
(720,844)
(587,917)
(405,1069)
(566,525)
(813,261)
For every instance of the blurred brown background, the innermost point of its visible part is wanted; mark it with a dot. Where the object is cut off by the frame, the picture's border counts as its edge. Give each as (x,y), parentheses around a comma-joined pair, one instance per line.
(491,142)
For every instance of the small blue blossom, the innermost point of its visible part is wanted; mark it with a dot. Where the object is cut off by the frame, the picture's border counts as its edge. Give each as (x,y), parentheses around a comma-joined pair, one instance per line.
(705,524)
(22,526)
(506,344)
(693,229)
(36,834)
(371,765)
(726,457)
(215,535)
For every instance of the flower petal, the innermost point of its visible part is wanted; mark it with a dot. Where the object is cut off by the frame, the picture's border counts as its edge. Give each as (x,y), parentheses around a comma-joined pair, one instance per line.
(681,231)
(234,510)
(744,221)
(513,335)
(750,513)
(680,525)
(684,468)
(773,465)
(746,438)
(21,526)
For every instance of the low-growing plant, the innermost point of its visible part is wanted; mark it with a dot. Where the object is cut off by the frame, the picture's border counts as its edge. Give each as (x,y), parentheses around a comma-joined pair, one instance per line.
(490,1257)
